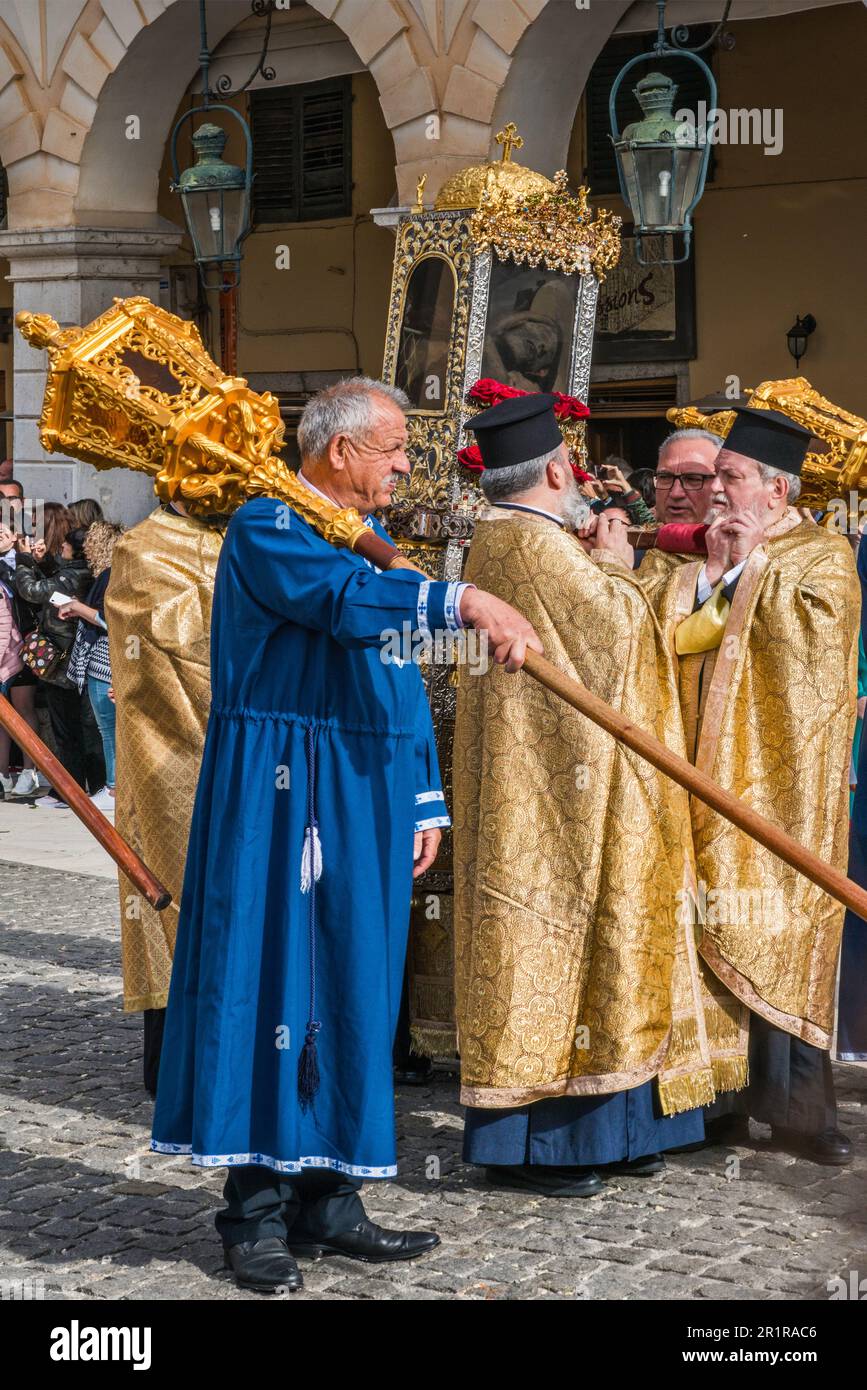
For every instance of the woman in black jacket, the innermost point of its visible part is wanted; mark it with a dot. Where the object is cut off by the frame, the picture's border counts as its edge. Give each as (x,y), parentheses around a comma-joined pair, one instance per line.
(57,565)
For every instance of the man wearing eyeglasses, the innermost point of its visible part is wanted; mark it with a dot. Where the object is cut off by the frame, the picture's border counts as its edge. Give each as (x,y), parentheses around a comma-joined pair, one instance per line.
(685,487)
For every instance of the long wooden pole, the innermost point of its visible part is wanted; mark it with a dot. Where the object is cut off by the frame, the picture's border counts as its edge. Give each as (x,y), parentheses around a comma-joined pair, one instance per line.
(697,783)
(78,801)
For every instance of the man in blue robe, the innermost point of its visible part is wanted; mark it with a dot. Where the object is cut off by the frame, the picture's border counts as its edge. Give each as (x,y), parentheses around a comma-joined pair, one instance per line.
(318,801)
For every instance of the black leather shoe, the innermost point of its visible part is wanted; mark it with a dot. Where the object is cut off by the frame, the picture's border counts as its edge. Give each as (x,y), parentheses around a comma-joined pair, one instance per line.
(544,1180)
(643,1167)
(831,1146)
(728,1129)
(418,1075)
(368,1242)
(264,1265)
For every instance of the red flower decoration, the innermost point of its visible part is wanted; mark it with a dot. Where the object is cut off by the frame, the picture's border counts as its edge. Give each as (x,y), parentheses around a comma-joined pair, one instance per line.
(488,392)
(471,458)
(569,407)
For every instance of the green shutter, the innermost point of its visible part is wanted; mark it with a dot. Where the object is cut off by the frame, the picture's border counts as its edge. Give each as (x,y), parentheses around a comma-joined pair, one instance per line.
(302,151)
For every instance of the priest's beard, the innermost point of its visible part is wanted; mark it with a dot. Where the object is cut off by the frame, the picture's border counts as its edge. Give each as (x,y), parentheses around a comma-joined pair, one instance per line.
(575,509)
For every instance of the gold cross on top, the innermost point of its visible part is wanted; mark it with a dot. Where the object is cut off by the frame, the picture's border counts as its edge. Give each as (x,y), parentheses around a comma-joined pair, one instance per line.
(510,140)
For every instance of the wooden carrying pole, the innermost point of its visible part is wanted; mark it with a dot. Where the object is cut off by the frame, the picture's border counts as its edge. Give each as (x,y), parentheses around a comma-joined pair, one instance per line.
(832,880)
(698,784)
(65,784)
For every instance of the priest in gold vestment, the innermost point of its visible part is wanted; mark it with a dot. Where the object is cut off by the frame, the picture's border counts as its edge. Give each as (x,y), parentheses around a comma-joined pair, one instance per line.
(581,1039)
(766,636)
(158,611)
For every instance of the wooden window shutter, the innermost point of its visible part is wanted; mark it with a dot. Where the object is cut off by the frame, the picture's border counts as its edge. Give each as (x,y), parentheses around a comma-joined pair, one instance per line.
(302,151)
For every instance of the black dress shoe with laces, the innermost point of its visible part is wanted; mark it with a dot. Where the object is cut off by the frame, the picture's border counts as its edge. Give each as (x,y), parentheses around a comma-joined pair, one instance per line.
(368,1242)
(831,1146)
(264,1265)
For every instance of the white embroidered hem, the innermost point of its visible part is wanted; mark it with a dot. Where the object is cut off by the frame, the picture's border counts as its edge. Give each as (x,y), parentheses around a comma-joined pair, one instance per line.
(279,1165)
(433,824)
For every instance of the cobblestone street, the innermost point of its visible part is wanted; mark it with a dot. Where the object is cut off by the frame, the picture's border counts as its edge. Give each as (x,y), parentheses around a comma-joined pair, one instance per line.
(87,1212)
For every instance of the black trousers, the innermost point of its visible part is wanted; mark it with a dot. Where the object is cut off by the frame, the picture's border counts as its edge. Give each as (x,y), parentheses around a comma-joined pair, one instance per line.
(308,1206)
(76,735)
(791,1083)
(154,1024)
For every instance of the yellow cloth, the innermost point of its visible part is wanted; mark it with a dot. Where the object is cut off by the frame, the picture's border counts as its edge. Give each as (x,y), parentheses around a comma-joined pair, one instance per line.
(573,972)
(158,610)
(773,710)
(703,630)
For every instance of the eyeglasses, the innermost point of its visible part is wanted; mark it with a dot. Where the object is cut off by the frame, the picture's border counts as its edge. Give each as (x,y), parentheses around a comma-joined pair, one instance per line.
(691,482)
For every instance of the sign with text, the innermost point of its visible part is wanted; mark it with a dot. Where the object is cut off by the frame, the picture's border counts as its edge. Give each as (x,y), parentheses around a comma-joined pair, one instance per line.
(646,312)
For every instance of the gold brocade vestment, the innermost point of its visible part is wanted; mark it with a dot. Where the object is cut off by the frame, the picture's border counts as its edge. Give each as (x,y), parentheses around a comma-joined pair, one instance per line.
(769,716)
(657,567)
(574,972)
(158,610)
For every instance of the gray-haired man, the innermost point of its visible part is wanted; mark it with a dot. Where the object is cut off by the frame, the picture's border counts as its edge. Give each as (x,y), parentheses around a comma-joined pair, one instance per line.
(290,952)
(686,491)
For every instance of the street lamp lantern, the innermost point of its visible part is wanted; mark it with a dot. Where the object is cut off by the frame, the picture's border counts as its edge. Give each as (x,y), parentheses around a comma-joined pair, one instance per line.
(216,202)
(662,160)
(797,336)
(215,195)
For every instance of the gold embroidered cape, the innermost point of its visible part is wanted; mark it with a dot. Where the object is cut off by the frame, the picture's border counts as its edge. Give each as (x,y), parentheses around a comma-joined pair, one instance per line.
(657,567)
(770,715)
(158,610)
(574,974)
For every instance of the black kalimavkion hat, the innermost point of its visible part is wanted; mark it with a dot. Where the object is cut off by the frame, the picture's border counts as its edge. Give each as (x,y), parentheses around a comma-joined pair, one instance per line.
(768,437)
(516,430)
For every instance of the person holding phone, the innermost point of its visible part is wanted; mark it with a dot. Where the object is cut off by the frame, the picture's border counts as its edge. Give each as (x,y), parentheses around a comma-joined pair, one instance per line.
(56,564)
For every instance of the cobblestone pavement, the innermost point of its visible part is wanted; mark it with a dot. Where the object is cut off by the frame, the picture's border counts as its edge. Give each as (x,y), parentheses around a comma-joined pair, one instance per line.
(86,1211)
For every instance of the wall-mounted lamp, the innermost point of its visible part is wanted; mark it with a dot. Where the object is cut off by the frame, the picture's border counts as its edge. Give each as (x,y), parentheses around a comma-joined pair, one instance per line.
(798,334)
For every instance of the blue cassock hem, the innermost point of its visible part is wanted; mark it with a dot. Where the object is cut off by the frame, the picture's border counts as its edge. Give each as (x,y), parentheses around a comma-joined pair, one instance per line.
(279,1165)
(579,1131)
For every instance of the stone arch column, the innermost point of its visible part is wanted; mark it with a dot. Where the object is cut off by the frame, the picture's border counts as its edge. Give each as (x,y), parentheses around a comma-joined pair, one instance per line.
(547,75)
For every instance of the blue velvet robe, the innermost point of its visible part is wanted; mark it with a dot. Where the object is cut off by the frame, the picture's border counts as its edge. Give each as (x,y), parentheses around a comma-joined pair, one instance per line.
(303,710)
(578,1131)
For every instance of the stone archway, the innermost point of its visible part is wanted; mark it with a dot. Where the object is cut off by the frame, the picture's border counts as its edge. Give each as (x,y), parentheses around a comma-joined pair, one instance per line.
(547,75)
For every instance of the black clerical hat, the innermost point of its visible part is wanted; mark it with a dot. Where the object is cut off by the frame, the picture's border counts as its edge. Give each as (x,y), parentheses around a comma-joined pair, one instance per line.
(769,437)
(516,430)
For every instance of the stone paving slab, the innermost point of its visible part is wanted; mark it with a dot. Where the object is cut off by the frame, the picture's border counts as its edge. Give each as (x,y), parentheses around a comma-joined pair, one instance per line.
(87,1212)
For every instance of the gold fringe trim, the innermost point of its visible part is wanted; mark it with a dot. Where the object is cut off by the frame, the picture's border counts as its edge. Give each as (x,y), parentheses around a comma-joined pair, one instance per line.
(432,1040)
(684,1042)
(681,1093)
(433,1000)
(730,1073)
